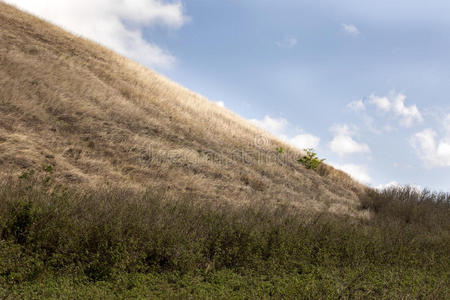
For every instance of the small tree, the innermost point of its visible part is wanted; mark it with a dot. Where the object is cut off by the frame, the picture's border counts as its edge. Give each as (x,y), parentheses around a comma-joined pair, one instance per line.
(310,160)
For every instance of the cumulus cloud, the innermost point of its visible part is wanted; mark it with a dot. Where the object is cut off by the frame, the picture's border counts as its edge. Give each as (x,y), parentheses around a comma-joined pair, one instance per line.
(343,142)
(358,172)
(116,24)
(381,103)
(305,141)
(344,145)
(287,42)
(272,125)
(350,29)
(279,126)
(395,104)
(434,152)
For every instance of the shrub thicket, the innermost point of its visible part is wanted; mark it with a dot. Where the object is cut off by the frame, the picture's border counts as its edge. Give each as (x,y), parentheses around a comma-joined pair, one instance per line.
(100,234)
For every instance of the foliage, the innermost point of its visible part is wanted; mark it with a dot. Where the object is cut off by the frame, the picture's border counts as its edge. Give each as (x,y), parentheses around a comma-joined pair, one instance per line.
(280,150)
(48,168)
(109,241)
(310,160)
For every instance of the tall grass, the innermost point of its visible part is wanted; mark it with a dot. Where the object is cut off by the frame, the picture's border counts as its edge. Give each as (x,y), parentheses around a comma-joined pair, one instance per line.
(103,232)
(406,205)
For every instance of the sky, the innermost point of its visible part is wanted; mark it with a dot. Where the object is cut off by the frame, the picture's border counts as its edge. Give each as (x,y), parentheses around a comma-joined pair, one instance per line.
(365,83)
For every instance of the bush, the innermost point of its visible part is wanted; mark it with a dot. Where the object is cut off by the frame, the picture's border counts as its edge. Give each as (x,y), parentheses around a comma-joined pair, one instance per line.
(100,234)
(280,150)
(310,160)
(410,206)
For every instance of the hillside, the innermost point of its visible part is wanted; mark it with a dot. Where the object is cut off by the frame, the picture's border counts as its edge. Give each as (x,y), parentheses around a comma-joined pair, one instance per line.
(116,183)
(93,117)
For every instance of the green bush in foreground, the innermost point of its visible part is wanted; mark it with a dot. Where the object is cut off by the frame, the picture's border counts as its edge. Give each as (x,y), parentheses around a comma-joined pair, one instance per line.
(124,244)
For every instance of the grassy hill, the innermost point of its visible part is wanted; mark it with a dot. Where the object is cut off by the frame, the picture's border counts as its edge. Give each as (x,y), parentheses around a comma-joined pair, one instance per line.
(117,183)
(97,117)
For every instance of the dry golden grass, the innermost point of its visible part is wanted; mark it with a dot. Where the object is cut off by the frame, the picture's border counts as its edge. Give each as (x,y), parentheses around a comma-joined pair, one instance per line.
(98,118)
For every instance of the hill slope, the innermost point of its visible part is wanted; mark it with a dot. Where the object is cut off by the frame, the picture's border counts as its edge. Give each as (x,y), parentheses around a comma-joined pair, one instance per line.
(97,117)
(98,129)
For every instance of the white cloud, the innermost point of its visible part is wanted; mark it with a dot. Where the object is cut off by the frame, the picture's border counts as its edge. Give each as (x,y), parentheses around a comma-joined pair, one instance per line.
(279,126)
(343,143)
(116,24)
(342,129)
(443,152)
(272,125)
(388,185)
(220,103)
(381,103)
(407,114)
(350,29)
(434,152)
(304,141)
(425,141)
(357,106)
(287,42)
(358,172)
(395,104)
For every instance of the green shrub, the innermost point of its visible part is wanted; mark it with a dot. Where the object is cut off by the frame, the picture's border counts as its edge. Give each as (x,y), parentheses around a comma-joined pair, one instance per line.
(310,160)
(48,168)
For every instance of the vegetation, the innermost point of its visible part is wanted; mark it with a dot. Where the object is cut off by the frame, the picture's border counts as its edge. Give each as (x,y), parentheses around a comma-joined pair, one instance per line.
(57,241)
(135,187)
(85,116)
(310,160)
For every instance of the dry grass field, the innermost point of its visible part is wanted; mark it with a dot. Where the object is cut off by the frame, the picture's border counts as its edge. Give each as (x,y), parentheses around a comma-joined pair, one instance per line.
(92,117)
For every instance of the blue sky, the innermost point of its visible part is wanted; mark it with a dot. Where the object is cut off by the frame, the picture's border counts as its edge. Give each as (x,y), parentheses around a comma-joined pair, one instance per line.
(366,83)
